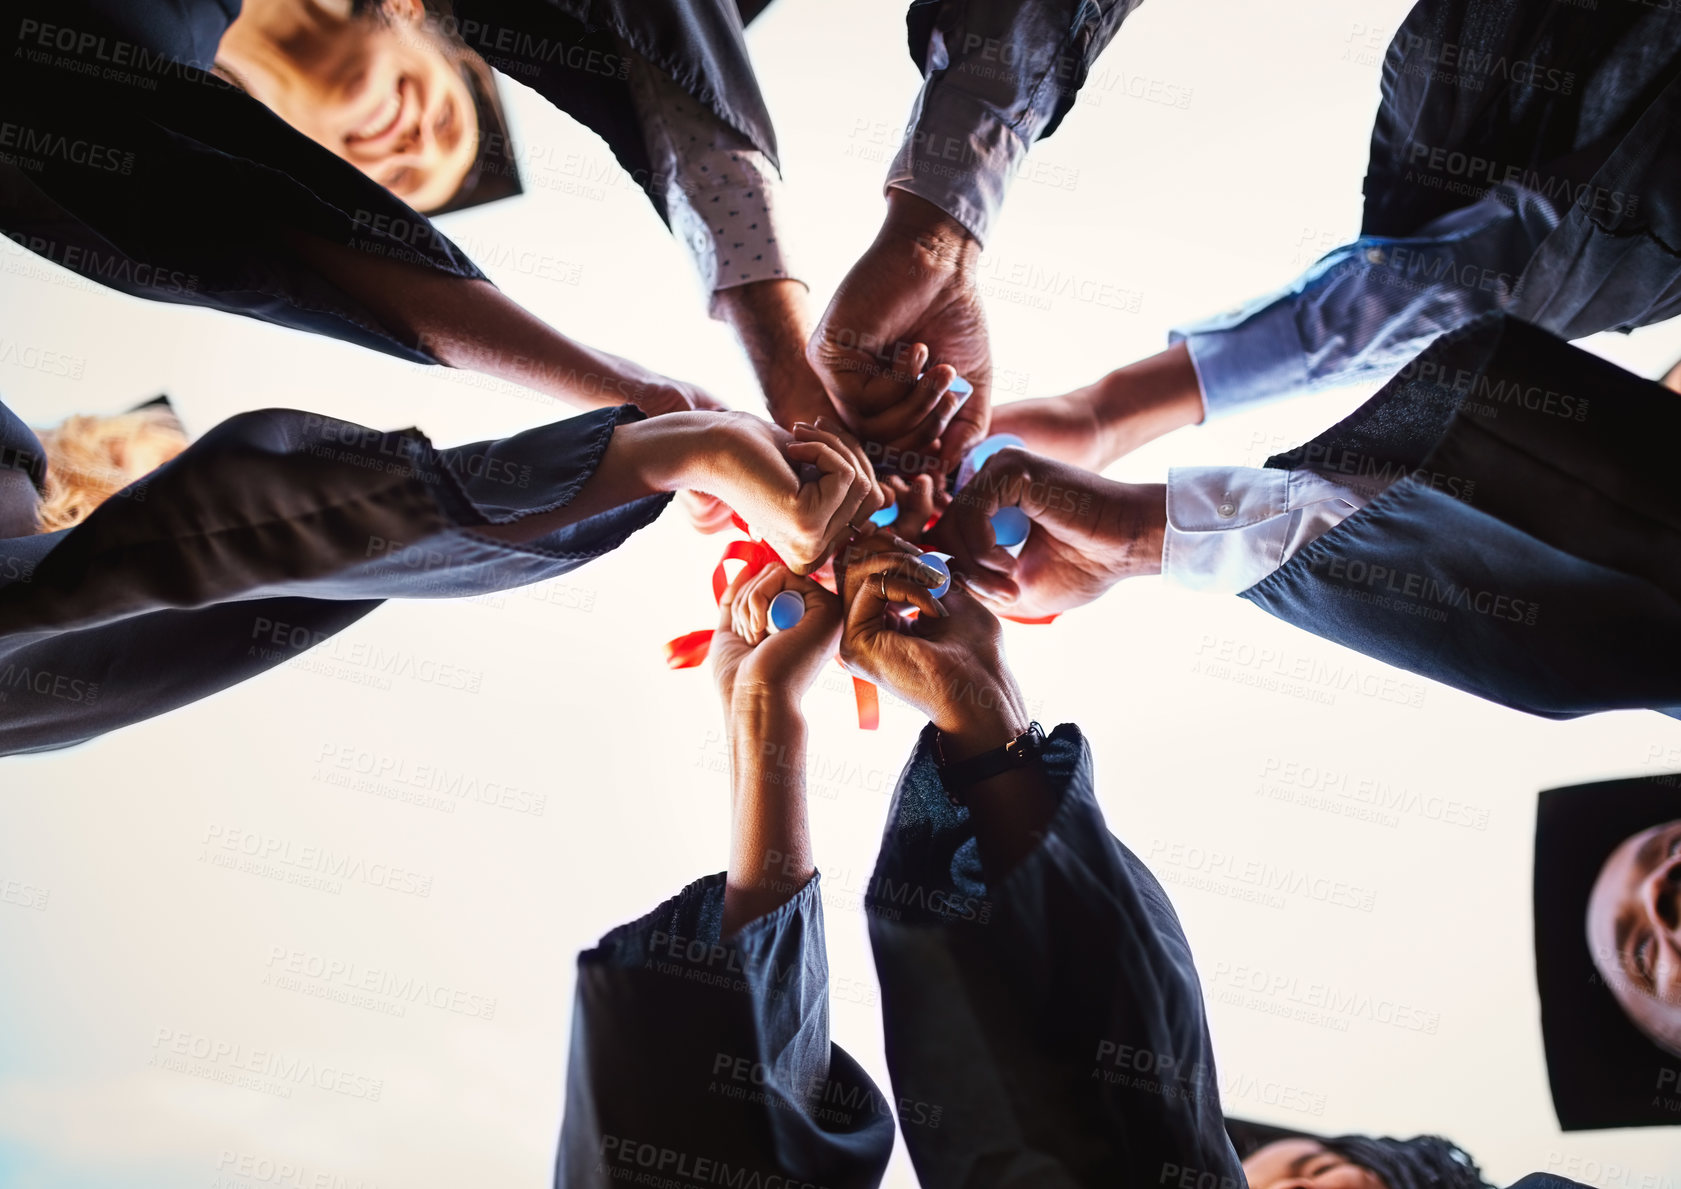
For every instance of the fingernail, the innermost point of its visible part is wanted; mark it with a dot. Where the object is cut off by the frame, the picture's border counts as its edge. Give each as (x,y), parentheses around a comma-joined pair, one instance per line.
(928,575)
(904,546)
(803,425)
(940,609)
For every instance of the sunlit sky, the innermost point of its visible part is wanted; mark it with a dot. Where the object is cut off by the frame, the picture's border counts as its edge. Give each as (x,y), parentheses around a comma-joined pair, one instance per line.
(1218,148)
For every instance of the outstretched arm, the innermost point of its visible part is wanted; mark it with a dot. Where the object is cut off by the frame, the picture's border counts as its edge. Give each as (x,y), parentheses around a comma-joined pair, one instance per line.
(474,326)
(720,193)
(762,674)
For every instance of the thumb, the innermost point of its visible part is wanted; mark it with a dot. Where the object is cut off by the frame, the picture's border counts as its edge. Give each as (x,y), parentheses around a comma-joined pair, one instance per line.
(965,432)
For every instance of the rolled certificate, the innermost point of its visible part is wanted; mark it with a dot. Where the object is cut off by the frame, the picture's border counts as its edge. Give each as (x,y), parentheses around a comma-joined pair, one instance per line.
(985,449)
(1010,527)
(939,562)
(786,610)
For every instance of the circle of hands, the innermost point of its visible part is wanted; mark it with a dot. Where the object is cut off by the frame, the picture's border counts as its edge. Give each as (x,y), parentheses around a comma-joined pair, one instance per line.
(889,424)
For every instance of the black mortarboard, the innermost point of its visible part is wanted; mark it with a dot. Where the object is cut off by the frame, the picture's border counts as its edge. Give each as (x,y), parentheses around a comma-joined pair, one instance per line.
(1603,1070)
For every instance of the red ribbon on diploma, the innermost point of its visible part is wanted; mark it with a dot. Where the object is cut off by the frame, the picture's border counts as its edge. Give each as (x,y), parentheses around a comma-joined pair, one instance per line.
(688,651)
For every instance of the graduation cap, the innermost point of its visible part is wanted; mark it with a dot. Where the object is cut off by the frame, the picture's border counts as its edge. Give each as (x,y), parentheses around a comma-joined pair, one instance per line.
(1423,1162)
(1603,1070)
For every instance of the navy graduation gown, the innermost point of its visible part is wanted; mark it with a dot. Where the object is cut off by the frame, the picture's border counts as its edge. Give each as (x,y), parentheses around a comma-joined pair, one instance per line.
(124,160)
(1528,549)
(1049,1030)
(699,1061)
(1579,103)
(267,535)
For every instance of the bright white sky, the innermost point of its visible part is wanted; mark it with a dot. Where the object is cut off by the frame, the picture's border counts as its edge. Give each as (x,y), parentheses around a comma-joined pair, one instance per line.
(1217,149)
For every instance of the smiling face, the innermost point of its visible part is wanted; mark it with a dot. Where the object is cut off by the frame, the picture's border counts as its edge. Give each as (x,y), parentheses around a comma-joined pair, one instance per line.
(1305,1164)
(381,91)
(1634,931)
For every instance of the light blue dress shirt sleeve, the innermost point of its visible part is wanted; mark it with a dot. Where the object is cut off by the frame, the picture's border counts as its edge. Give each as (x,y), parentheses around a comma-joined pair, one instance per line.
(1365,309)
(999,74)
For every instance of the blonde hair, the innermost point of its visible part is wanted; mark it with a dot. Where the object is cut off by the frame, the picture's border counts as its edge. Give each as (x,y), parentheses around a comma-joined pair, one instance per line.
(90,459)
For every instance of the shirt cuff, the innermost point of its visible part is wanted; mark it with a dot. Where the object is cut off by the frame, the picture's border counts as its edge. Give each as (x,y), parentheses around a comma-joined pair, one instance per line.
(1247,358)
(1229,527)
(731,230)
(959,155)
(720,191)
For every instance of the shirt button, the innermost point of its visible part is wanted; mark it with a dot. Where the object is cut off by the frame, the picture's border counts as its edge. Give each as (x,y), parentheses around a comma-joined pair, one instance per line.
(1227,510)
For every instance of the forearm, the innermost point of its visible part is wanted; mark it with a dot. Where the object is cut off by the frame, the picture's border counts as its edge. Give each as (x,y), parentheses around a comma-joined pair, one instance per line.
(472,325)
(772,320)
(1009,811)
(770,843)
(643,458)
(1139,403)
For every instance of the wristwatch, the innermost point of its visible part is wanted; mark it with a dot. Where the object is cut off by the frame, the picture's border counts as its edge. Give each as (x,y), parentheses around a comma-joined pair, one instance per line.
(1024,749)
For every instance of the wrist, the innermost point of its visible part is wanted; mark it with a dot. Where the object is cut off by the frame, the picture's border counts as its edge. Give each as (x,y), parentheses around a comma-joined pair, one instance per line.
(756,709)
(910,217)
(793,392)
(987,713)
(772,320)
(1133,521)
(1139,403)
(663,452)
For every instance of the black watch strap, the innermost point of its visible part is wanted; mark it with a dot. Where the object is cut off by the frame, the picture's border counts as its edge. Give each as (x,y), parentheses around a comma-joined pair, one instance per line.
(1024,749)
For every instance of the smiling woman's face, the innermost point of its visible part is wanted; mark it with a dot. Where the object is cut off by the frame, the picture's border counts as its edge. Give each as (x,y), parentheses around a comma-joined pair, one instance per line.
(1634,931)
(1305,1164)
(378,91)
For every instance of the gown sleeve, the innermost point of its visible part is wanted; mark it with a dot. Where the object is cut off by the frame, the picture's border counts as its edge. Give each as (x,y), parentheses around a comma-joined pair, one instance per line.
(265,537)
(123,160)
(1052,1022)
(1527,544)
(697,1061)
